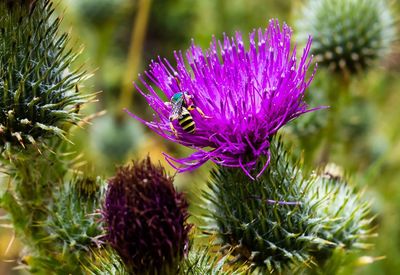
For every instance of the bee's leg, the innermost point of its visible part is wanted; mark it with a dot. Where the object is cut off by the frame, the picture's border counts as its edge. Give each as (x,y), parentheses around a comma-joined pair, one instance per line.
(192,107)
(173,129)
(201,112)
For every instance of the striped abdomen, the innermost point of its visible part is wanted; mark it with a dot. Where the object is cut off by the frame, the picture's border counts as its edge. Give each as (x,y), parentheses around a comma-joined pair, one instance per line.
(186,122)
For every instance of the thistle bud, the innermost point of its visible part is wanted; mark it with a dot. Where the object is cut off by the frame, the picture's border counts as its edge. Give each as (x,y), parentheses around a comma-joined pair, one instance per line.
(98,12)
(283,220)
(38,94)
(348,34)
(146,219)
(73,223)
(265,221)
(11,4)
(343,212)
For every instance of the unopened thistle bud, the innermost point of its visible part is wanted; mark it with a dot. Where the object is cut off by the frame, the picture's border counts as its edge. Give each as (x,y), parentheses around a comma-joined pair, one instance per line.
(146,219)
(344,214)
(283,220)
(98,12)
(38,94)
(265,221)
(348,34)
(74,223)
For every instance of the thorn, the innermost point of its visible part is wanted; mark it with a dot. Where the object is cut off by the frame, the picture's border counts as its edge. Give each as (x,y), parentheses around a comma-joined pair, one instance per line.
(33,142)
(88,119)
(19,138)
(25,121)
(10,243)
(54,130)
(364,260)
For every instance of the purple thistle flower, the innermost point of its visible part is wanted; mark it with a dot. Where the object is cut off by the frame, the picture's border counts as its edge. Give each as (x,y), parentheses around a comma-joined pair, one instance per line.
(246,97)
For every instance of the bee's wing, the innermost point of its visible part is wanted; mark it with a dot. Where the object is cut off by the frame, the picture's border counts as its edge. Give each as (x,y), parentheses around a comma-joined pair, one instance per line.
(177,108)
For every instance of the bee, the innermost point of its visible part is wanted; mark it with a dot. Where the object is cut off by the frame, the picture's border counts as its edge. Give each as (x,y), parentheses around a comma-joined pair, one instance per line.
(181,104)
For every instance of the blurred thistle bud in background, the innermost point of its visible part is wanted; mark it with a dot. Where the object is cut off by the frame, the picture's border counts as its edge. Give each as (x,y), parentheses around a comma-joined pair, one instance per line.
(349,35)
(346,219)
(99,12)
(38,92)
(146,219)
(11,4)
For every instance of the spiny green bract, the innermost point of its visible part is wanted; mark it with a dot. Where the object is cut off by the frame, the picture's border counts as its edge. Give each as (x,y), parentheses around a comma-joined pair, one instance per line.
(72,228)
(347,34)
(283,220)
(74,223)
(249,218)
(105,261)
(204,261)
(345,214)
(38,93)
(58,227)
(200,261)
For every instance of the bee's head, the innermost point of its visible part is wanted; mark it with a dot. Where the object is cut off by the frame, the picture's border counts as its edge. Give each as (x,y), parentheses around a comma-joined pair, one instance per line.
(176,97)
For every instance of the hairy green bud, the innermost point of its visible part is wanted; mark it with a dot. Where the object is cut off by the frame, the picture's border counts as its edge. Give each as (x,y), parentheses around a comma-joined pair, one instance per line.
(347,224)
(348,35)
(38,92)
(284,220)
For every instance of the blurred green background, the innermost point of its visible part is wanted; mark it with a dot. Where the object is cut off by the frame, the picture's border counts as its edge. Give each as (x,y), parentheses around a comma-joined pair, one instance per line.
(120,37)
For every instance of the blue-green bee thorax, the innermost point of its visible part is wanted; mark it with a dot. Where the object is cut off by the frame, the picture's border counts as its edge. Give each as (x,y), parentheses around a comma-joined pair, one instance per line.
(176,97)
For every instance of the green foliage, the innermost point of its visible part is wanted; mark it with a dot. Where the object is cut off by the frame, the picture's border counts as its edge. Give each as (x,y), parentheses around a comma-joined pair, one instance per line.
(114,138)
(38,93)
(312,123)
(171,23)
(105,261)
(348,35)
(25,199)
(204,261)
(98,12)
(284,220)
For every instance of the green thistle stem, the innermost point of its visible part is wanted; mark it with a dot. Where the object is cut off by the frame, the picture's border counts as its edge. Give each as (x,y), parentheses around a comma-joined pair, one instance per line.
(27,203)
(339,98)
(136,47)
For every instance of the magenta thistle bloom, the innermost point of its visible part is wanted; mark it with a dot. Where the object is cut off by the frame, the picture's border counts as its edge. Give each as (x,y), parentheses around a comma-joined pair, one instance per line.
(238,98)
